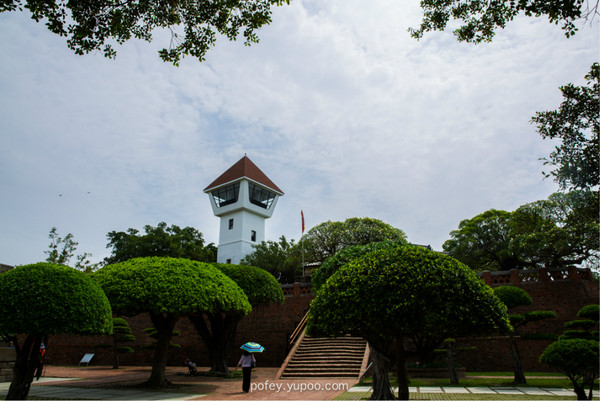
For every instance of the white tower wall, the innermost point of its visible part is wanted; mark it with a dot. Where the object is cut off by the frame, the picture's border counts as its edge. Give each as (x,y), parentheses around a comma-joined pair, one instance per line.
(236,242)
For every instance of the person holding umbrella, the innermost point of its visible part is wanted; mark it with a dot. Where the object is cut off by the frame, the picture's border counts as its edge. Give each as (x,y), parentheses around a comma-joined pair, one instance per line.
(247,362)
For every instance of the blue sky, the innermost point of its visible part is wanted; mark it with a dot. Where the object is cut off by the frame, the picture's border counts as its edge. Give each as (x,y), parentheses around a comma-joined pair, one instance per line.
(345,112)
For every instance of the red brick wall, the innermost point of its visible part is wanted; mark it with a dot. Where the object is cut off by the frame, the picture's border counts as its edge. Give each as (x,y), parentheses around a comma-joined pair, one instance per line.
(269,325)
(564,292)
(272,324)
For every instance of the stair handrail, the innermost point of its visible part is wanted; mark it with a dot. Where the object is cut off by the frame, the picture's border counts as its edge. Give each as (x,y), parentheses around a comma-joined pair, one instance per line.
(298,329)
(362,376)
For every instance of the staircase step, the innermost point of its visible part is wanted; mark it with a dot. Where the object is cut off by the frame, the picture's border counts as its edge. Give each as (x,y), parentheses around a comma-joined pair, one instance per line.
(318,374)
(321,357)
(327,357)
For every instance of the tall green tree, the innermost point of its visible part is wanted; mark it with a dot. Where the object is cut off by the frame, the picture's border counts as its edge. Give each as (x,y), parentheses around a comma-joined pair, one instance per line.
(168,289)
(575,125)
(61,250)
(559,231)
(480,19)
(96,25)
(276,258)
(391,294)
(554,233)
(484,242)
(330,237)
(514,297)
(44,299)
(218,329)
(161,240)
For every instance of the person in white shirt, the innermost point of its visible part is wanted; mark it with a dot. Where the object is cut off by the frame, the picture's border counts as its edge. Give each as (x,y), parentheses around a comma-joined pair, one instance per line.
(247,362)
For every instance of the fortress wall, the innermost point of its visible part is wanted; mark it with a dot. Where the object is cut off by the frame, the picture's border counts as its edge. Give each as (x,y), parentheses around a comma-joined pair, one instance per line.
(564,292)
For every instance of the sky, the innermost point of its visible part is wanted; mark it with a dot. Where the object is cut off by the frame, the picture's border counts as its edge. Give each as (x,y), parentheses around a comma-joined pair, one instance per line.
(337,104)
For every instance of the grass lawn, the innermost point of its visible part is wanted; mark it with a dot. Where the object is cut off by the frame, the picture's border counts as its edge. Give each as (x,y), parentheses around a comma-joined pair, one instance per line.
(494,379)
(466,397)
(482,379)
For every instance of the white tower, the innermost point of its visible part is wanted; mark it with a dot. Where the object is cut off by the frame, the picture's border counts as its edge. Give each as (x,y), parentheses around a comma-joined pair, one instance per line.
(243,197)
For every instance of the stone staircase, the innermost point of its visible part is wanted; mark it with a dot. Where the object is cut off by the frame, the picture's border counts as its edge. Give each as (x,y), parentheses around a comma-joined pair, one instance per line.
(326,357)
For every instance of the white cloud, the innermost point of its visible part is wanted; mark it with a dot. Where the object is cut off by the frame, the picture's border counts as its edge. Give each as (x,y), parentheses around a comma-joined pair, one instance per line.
(337,104)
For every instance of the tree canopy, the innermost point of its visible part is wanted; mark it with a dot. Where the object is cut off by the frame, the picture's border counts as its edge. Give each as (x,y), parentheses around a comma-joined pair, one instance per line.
(167,289)
(276,258)
(479,19)
(557,232)
(41,299)
(218,329)
(193,25)
(259,286)
(161,240)
(61,250)
(333,263)
(413,290)
(576,125)
(328,238)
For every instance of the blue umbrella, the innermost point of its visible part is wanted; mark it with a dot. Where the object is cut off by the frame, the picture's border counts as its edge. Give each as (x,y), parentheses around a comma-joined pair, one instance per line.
(252,347)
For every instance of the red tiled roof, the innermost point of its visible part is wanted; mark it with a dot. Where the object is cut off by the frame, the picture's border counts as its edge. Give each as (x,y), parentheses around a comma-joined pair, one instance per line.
(244,168)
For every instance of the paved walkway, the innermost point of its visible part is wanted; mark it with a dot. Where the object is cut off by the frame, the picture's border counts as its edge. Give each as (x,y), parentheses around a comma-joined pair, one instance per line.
(104,383)
(535,391)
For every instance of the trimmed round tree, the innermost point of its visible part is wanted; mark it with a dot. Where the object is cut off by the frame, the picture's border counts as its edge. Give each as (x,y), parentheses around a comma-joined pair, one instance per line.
(578,360)
(380,372)
(44,299)
(513,297)
(333,263)
(586,327)
(168,289)
(392,294)
(218,329)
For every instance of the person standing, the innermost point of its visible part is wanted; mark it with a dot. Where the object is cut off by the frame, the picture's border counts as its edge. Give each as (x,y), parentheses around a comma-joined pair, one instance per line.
(247,362)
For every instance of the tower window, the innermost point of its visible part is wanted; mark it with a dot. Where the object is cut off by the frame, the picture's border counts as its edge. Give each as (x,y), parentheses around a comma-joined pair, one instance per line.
(260,196)
(228,261)
(253,235)
(231,224)
(226,195)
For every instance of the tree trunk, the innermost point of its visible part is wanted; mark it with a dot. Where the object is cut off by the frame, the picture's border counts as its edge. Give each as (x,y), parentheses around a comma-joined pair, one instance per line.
(580,391)
(28,360)
(229,328)
(403,392)
(115,352)
(217,338)
(382,390)
(164,324)
(518,364)
(451,365)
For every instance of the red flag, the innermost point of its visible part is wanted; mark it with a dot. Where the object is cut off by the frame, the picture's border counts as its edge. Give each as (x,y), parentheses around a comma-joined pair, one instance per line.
(302,214)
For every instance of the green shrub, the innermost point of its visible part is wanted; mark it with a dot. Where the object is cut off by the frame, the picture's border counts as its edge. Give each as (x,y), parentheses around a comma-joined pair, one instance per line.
(513,296)
(591,312)
(540,336)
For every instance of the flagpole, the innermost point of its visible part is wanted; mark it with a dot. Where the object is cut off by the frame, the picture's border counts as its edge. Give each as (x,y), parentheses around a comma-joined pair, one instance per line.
(302,241)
